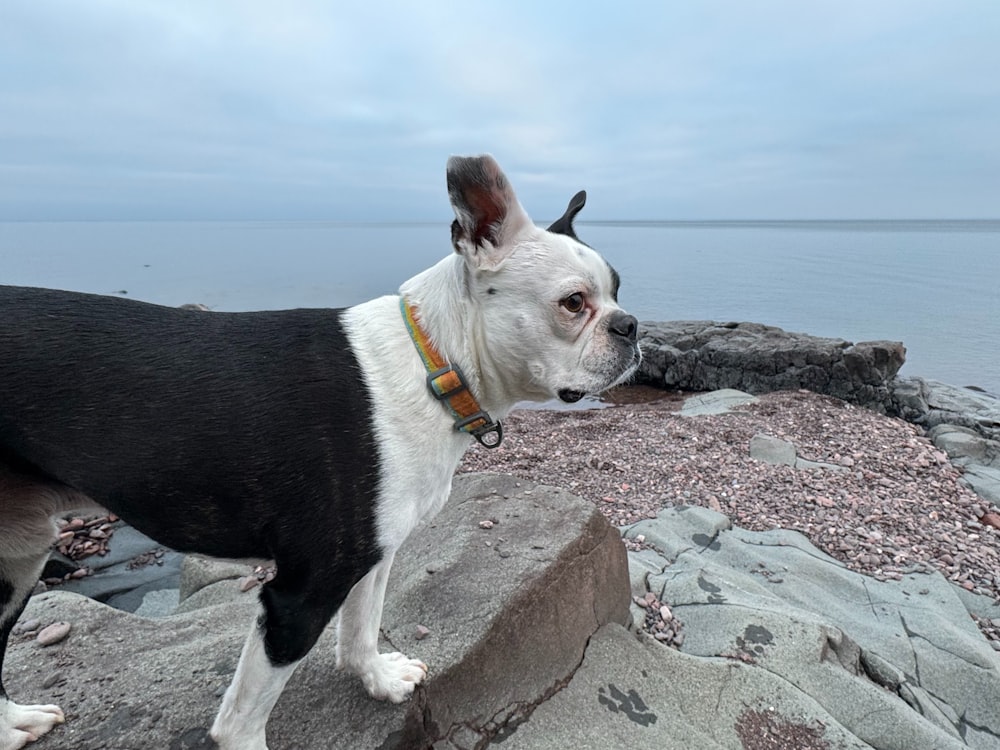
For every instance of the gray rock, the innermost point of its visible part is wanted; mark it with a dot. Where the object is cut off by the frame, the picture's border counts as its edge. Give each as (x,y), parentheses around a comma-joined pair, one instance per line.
(118,582)
(908,399)
(707,356)
(521,624)
(508,624)
(965,443)
(158,603)
(691,527)
(895,664)
(637,694)
(984,480)
(715,402)
(772,450)
(931,403)
(198,572)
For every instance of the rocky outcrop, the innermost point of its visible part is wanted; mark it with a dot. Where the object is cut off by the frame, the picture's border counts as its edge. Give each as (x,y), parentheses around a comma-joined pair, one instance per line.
(518,596)
(703,355)
(963,422)
(706,355)
(807,646)
(931,403)
(501,614)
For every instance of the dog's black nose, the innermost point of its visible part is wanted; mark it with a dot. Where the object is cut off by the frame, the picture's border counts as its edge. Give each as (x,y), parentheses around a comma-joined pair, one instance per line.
(624,325)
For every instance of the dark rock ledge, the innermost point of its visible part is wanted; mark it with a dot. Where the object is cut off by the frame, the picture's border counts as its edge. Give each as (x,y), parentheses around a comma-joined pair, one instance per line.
(702,355)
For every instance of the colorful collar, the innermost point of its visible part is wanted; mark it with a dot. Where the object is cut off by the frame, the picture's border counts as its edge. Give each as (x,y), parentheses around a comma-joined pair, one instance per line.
(448,385)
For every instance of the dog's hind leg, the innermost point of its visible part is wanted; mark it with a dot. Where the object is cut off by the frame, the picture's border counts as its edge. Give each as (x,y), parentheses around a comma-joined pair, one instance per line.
(19,724)
(26,536)
(390,676)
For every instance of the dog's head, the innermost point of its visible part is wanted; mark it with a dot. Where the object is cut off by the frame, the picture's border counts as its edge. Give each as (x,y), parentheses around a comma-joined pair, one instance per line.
(548,304)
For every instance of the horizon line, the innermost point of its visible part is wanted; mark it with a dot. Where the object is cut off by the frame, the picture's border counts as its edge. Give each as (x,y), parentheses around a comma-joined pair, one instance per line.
(595,222)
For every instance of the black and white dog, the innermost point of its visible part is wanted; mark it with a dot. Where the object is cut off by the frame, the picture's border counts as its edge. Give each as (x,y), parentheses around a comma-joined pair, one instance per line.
(268,434)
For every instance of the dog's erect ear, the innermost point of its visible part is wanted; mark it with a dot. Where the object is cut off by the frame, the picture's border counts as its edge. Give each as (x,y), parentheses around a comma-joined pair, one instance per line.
(564,224)
(487,213)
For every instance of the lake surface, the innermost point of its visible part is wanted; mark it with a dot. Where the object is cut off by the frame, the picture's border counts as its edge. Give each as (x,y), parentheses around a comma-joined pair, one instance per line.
(934,285)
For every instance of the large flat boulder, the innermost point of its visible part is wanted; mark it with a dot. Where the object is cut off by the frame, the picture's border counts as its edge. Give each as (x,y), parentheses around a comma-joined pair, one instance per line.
(637,694)
(501,614)
(894,665)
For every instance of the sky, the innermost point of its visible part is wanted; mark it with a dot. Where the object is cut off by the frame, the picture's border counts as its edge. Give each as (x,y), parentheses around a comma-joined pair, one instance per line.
(118,110)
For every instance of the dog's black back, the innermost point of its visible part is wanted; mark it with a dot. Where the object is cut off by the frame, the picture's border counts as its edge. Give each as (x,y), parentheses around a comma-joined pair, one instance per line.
(258,407)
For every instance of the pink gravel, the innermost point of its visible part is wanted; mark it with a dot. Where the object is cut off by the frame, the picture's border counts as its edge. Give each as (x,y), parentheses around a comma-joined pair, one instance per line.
(898,505)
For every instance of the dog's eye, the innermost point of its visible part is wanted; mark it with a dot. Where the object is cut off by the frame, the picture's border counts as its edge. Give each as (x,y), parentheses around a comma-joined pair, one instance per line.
(573,303)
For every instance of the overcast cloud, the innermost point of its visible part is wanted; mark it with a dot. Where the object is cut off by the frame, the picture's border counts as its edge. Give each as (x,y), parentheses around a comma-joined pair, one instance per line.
(194,109)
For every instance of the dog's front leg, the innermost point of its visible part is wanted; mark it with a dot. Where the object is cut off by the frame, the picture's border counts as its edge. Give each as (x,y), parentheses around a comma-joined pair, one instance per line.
(247,704)
(297,606)
(386,676)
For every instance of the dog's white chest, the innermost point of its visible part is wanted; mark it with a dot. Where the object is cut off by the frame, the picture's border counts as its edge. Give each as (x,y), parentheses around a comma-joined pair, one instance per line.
(419,448)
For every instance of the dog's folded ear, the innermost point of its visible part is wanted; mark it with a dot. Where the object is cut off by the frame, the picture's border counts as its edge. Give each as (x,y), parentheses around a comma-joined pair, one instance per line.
(564,224)
(488,215)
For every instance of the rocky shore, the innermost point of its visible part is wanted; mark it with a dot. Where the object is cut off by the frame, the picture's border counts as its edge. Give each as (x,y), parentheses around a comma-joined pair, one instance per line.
(911,478)
(867,489)
(518,596)
(708,355)
(812,540)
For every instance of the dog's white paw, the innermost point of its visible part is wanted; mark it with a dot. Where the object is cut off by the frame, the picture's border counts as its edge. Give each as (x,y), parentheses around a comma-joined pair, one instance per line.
(392,677)
(20,725)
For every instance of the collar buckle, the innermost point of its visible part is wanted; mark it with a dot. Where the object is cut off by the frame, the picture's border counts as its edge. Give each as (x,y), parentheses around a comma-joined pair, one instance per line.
(444,390)
(489,434)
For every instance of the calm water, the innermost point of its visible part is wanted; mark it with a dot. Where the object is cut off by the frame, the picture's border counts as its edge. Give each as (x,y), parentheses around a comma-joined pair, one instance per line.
(933,285)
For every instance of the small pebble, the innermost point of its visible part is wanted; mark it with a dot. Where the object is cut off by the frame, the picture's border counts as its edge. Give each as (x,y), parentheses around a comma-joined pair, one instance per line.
(991,519)
(421,632)
(53,633)
(27,626)
(53,679)
(486,524)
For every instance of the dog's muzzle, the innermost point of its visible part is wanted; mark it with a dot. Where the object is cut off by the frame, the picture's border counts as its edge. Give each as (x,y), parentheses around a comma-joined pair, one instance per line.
(624,331)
